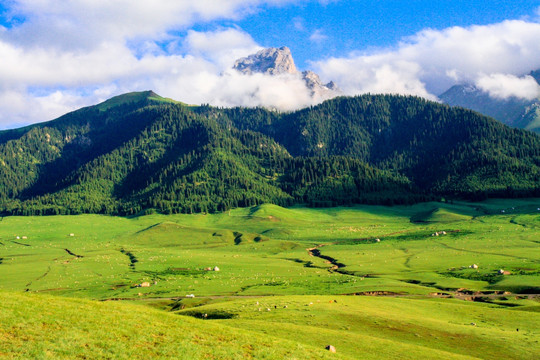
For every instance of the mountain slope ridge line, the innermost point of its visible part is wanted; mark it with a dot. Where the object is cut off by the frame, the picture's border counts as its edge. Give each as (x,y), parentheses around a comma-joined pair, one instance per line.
(139,151)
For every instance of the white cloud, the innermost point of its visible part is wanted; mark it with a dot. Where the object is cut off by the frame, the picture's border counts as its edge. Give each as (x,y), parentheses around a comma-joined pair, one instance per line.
(232,88)
(284,92)
(318,36)
(299,23)
(374,74)
(222,47)
(69,54)
(80,23)
(432,61)
(203,76)
(326,2)
(19,106)
(503,86)
(93,49)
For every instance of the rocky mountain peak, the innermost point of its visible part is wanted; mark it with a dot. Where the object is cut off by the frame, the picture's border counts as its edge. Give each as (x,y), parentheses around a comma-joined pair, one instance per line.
(273,61)
(314,83)
(279,61)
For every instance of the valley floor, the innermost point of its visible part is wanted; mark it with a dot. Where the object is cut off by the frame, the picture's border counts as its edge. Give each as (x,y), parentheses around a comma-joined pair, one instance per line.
(433,280)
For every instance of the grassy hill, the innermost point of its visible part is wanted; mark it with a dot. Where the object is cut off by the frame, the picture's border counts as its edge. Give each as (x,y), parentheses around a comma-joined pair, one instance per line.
(440,215)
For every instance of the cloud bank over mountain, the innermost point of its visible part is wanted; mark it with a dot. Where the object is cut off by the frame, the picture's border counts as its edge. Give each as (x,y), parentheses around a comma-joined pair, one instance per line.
(59,56)
(504,86)
(431,61)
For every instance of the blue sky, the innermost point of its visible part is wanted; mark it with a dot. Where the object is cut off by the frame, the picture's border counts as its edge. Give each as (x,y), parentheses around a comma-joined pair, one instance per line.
(58,56)
(361,25)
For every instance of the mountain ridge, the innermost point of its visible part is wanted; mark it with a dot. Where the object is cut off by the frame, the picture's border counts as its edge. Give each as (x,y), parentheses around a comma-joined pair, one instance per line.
(512,111)
(154,154)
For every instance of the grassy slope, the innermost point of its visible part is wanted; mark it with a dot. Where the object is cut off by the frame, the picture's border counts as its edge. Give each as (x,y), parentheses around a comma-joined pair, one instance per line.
(48,327)
(296,327)
(375,327)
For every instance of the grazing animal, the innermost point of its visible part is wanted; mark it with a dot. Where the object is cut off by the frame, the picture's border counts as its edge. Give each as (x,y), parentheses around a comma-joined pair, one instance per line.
(331,348)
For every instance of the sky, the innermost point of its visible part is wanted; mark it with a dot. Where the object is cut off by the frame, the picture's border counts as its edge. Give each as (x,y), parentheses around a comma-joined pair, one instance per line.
(58,56)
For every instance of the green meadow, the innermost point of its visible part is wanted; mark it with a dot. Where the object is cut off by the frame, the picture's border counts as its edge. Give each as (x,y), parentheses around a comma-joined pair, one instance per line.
(432,280)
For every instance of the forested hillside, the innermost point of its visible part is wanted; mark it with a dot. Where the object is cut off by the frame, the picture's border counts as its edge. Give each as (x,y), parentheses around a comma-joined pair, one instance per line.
(138,152)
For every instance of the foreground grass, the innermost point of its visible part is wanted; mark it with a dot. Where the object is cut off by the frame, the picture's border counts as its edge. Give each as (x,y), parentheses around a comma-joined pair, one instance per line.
(295,327)
(388,327)
(45,327)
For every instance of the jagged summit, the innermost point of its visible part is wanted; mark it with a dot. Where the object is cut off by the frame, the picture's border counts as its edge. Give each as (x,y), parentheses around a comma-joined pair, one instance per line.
(314,83)
(279,61)
(273,61)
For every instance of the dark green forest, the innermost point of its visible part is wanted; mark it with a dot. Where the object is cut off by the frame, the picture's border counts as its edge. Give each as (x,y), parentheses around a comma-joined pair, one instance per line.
(138,153)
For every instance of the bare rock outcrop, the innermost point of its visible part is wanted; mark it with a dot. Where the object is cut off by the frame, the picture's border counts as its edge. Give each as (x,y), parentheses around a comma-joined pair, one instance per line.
(273,61)
(279,61)
(314,83)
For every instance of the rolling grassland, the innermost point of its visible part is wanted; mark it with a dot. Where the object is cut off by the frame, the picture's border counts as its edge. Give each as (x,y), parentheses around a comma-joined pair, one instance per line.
(433,280)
